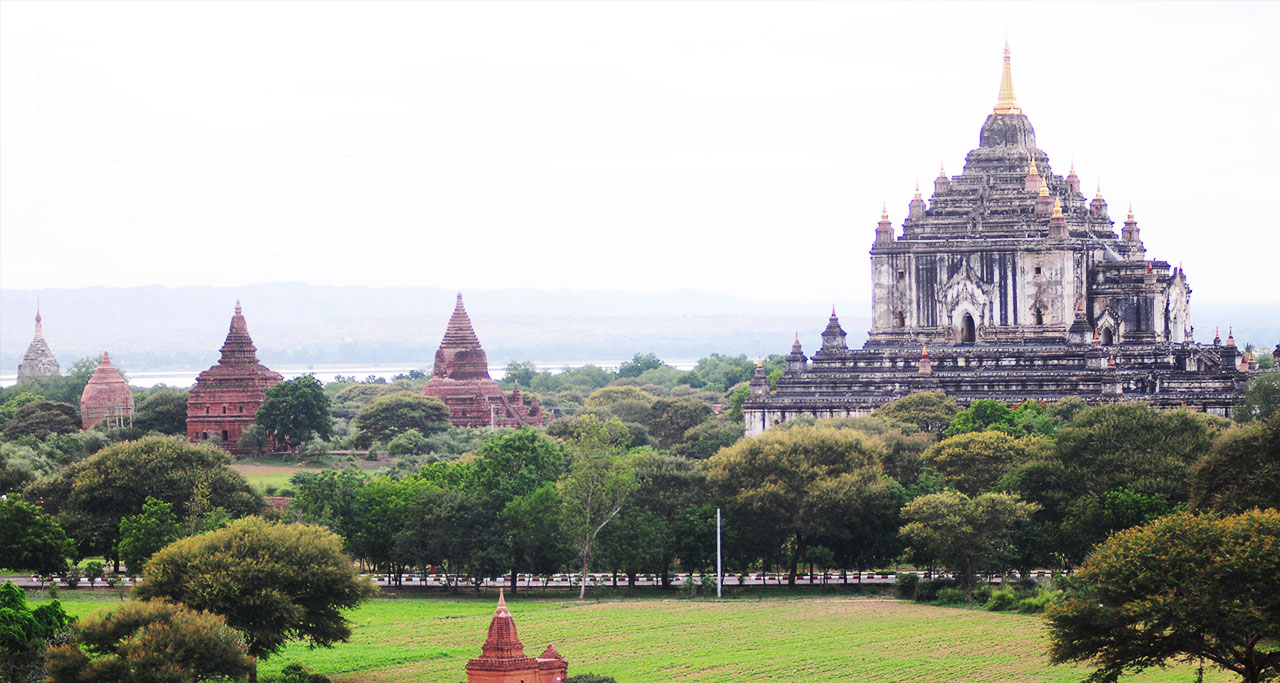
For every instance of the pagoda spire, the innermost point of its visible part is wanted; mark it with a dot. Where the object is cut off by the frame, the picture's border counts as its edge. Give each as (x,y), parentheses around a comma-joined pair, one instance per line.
(39,321)
(459,333)
(1006,103)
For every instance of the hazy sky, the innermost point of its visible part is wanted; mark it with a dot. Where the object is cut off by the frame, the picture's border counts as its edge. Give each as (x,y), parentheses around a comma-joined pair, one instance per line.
(739,148)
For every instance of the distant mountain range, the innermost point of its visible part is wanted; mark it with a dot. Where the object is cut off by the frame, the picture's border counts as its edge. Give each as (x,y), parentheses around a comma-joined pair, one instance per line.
(155,328)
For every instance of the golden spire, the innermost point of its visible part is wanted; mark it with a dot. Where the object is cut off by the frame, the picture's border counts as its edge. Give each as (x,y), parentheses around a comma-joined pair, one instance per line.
(1033,165)
(1044,189)
(942,171)
(1130,213)
(1006,104)
(1099,193)
(884,216)
(917,191)
(1057,209)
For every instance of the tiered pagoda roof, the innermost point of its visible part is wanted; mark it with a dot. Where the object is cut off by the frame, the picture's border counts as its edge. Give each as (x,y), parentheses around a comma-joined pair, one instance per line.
(461,379)
(503,659)
(226,397)
(106,398)
(38,361)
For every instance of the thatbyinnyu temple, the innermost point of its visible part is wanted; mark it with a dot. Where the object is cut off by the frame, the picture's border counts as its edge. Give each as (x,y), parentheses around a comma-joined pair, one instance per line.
(1010,284)
(461,379)
(226,397)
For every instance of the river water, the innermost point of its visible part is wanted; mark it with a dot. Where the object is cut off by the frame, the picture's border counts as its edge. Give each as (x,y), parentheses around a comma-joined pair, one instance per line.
(184,378)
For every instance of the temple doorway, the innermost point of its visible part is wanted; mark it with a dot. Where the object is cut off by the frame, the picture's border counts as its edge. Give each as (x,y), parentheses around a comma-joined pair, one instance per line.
(967,330)
(1107,337)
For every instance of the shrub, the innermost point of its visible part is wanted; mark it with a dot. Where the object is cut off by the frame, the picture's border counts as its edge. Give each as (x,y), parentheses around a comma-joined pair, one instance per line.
(927,591)
(1002,600)
(980,594)
(1034,604)
(73,578)
(906,584)
(296,673)
(950,596)
(590,678)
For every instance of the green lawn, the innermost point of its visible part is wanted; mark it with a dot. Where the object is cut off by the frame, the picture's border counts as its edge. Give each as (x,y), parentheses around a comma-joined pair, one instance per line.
(662,639)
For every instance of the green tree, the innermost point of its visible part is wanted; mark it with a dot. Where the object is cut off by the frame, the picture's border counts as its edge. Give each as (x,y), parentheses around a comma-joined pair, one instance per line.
(151,642)
(144,534)
(25,634)
(272,582)
(295,410)
(42,418)
(162,410)
(30,540)
(639,364)
(670,418)
(805,483)
(90,497)
(627,404)
(517,462)
(12,404)
(1185,587)
(707,438)
(600,479)
(329,498)
(968,535)
(981,415)
(64,388)
(1241,471)
(521,372)
(254,438)
(972,462)
(411,442)
(394,414)
(929,411)
(1261,398)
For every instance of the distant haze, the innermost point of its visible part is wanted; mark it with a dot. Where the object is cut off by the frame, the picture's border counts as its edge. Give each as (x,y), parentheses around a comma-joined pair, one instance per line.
(737,148)
(298,325)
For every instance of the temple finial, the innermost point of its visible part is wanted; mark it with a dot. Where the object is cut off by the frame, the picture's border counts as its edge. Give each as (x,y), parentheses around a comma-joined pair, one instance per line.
(1130,212)
(1057,209)
(884,211)
(237,307)
(1006,104)
(1098,195)
(502,600)
(917,195)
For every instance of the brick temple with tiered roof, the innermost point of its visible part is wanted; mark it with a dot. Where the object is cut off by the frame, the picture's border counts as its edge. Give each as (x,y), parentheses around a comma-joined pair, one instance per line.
(226,397)
(106,398)
(461,379)
(502,658)
(1010,284)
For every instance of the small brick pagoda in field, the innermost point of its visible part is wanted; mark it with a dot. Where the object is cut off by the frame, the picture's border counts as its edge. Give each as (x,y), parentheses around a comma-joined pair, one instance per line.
(461,379)
(503,659)
(38,361)
(106,398)
(227,396)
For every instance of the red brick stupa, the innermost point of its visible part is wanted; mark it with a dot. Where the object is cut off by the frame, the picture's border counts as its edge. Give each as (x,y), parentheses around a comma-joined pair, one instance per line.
(227,395)
(503,659)
(106,398)
(461,379)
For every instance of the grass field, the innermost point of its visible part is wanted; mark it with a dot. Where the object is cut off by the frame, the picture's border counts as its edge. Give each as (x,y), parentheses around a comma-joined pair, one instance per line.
(667,639)
(261,476)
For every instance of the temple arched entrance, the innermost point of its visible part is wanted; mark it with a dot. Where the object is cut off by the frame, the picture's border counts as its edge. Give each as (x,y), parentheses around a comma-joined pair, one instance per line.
(968,331)
(1108,338)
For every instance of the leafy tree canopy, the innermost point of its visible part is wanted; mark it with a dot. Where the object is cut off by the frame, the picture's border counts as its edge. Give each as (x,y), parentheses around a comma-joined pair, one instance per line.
(296,410)
(968,535)
(90,497)
(42,418)
(25,633)
(1261,398)
(145,533)
(396,413)
(1185,587)
(13,403)
(30,540)
(639,364)
(151,642)
(272,582)
(928,411)
(1241,471)
(162,410)
(973,462)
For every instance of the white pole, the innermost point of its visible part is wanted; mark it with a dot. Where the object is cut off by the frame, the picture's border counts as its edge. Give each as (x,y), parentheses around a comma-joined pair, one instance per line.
(719,572)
